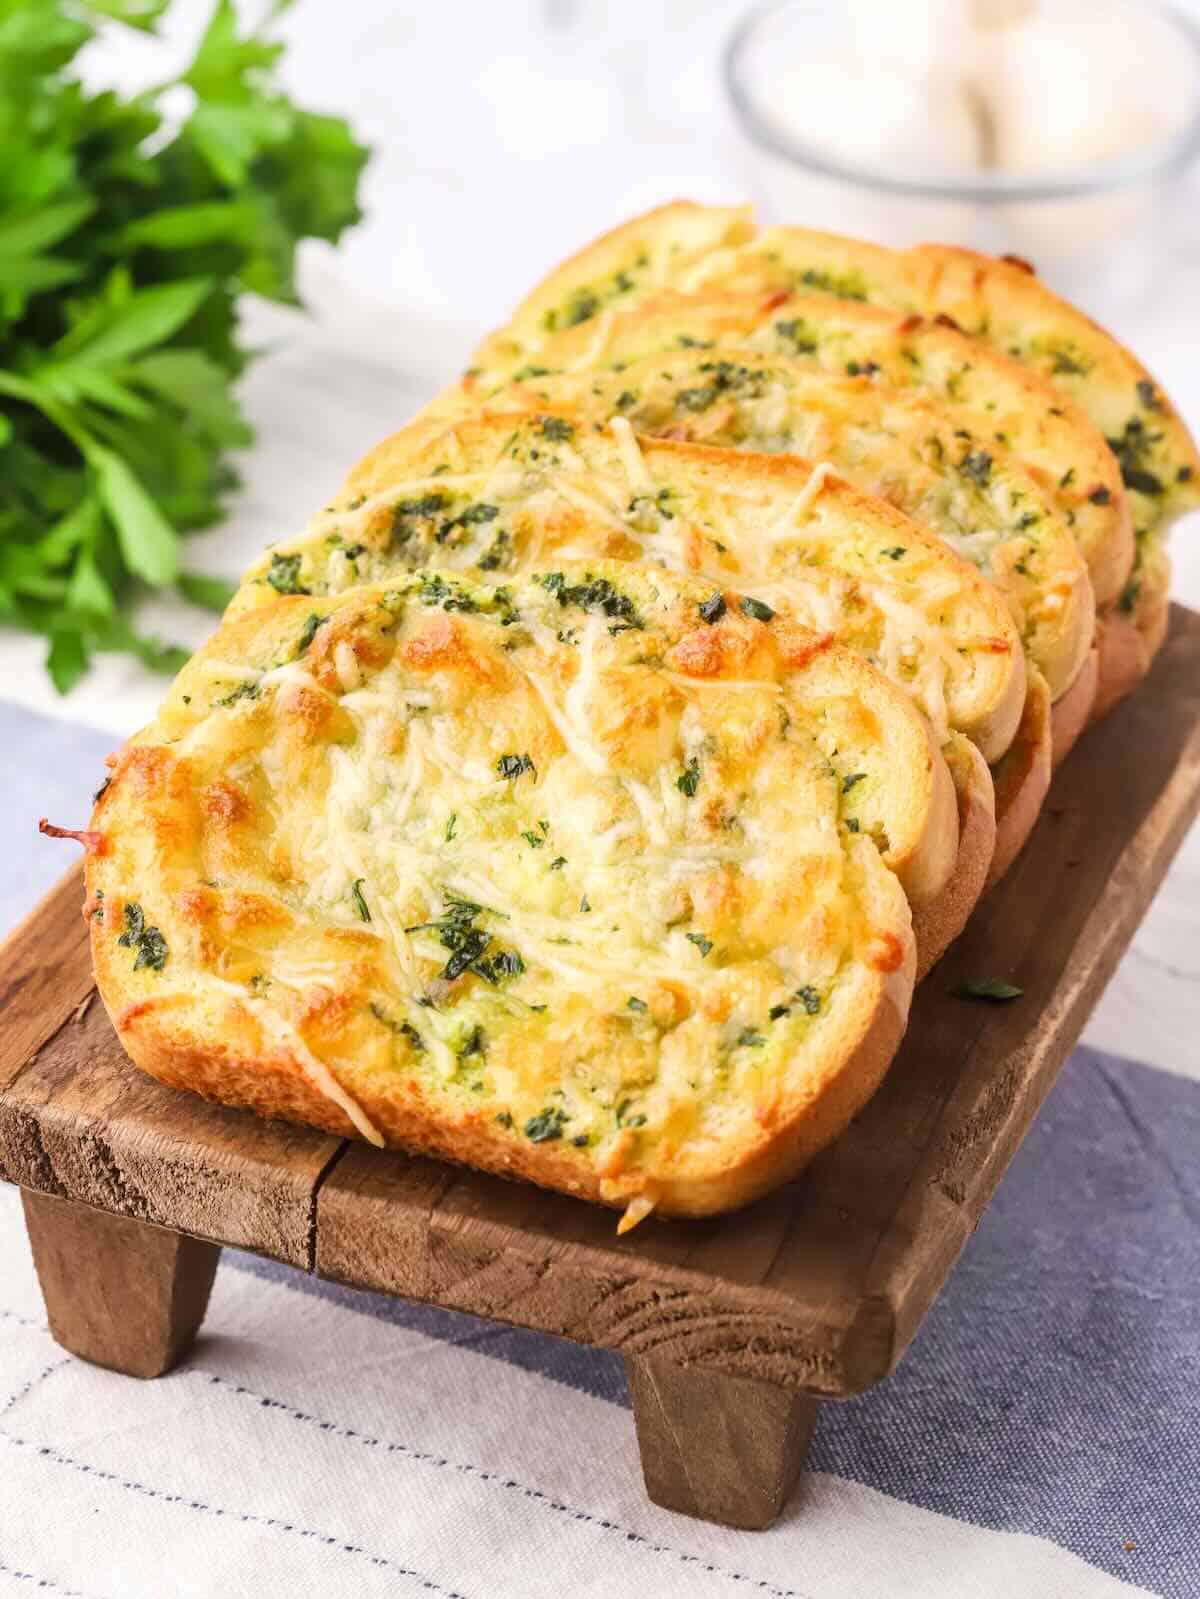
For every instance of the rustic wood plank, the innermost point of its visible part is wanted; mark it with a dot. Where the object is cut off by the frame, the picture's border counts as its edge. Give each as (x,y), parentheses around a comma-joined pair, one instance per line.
(119,1293)
(47,974)
(1058,929)
(81,1122)
(819,1287)
(718,1447)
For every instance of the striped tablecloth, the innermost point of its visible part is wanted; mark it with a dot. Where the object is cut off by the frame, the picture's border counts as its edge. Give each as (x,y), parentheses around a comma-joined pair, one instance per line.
(1041,1438)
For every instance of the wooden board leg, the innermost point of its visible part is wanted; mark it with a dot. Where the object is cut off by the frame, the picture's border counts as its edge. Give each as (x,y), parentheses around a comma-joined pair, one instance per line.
(118,1292)
(727,1449)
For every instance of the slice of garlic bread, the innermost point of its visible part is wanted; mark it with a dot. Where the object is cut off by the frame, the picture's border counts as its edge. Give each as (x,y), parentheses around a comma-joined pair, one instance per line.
(991,394)
(572,878)
(505,491)
(1002,301)
(899,444)
(999,300)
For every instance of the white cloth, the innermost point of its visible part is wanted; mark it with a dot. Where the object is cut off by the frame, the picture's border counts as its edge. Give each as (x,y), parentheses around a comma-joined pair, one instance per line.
(314,1450)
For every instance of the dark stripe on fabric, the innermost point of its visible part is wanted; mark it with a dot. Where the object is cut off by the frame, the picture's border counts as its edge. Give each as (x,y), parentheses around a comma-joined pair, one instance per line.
(45,1584)
(499,1479)
(274,1523)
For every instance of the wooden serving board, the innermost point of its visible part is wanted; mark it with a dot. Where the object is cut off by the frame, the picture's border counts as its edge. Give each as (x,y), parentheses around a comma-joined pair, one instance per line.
(732,1328)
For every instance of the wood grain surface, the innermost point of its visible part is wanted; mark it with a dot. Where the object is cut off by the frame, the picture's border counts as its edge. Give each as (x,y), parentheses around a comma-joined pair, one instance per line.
(120,1293)
(721,1448)
(817,1288)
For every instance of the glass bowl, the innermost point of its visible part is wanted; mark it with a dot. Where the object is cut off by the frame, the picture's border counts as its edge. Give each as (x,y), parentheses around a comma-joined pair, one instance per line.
(1095,228)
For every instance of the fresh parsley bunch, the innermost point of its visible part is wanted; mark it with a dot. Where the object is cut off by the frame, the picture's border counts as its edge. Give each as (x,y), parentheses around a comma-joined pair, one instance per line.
(126,237)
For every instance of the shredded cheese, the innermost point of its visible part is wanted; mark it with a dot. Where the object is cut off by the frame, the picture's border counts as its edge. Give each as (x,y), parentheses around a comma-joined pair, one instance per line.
(632,458)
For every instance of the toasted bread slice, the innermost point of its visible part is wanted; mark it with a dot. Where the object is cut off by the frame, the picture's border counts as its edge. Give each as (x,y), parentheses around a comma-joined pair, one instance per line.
(992,395)
(503,492)
(1002,301)
(499,493)
(899,444)
(1021,780)
(565,878)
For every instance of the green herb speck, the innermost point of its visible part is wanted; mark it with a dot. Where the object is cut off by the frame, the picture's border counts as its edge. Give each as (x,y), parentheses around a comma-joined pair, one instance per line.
(284,575)
(688,780)
(988,988)
(360,904)
(546,1126)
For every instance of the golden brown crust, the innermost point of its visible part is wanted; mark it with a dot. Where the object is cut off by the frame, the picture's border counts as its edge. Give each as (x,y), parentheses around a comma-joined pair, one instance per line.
(611,271)
(1128,640)
(182,1052)
(1070,713)
(1122,657)
(1022,781)
(937,924)
(1152,606)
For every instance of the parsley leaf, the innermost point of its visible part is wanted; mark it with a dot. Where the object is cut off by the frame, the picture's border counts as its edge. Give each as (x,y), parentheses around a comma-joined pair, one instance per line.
(149,943)
(284,575)
(360,904)
(989,988)
(546,1126)
(514,766)
(130,225)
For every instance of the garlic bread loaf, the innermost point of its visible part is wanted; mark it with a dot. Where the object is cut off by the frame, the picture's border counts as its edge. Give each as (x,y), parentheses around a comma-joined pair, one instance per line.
(581,877)
(498,492)
(1005,303)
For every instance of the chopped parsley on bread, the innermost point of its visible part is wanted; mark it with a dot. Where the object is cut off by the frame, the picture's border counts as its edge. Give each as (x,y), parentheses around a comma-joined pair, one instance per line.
(581,877)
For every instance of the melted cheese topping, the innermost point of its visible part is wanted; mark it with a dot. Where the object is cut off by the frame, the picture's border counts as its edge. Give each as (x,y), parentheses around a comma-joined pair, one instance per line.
(562,491)
(895,443)
(500,857)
